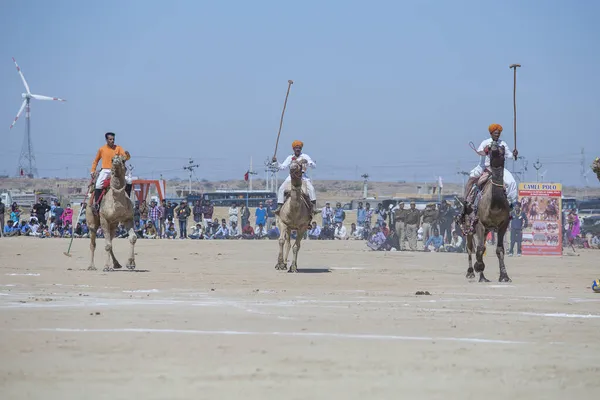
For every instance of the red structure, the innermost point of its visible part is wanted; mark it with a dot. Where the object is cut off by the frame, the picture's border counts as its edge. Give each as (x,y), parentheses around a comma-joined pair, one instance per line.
(141,188)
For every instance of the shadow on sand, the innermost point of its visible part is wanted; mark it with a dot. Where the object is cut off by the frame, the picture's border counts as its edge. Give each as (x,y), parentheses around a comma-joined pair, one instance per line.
(313,270)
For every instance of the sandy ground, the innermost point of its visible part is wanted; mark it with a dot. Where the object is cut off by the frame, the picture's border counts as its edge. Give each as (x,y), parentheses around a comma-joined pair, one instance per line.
(214,319)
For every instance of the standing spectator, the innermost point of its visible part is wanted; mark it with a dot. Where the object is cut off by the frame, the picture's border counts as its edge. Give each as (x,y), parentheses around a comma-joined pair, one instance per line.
(233,214)
(270,214)
(518,222)
(2,211)
(15,213)
(68,215)
(261,215)
(361,215)
(136,214)
(155,214)
(161,228)
(368,217)
(183,212)
(207,213)
(413,219)
(381,215)
(58,214)
(197,211)
(430,216)
(445,219)
(245,215)
(143,213)
(327,215)
(400,224)
(339,215)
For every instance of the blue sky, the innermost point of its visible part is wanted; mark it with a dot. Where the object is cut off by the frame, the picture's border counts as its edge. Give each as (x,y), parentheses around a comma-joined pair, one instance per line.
(395,89)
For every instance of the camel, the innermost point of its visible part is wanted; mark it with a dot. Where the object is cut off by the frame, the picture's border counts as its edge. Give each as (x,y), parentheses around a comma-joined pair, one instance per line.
(115,207)
(296,214)
(492,213)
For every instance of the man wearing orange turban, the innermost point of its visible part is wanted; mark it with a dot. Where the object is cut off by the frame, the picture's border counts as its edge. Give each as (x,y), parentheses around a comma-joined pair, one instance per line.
(484,162)
(297,146)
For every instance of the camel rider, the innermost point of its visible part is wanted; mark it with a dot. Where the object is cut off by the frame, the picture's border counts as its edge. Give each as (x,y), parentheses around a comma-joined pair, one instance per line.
(297,147)
(484,163)
(106,153)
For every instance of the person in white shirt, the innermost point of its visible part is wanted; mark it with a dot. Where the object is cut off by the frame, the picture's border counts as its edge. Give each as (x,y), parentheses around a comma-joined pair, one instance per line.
(297,146)
(484,163)
(314,232)
(340,232)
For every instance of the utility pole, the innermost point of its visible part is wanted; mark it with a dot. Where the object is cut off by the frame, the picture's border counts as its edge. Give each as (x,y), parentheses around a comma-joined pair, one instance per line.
(537,165)
(365,184)
(250,173)
(464,175)
(190,167)
(271,171)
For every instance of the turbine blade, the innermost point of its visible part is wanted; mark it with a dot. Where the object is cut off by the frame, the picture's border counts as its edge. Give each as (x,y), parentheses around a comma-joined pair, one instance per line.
(40,97)
(19,113)
(22,77)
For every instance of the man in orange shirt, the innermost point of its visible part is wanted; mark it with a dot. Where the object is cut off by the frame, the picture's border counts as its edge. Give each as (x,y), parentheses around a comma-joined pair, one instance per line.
(106,153)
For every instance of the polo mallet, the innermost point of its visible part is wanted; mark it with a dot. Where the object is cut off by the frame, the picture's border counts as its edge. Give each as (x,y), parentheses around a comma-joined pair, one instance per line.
(290,82)
(514,67)
(68,252)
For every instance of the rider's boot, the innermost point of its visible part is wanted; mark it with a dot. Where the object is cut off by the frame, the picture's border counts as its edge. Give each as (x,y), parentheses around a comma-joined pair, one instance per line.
(278,209)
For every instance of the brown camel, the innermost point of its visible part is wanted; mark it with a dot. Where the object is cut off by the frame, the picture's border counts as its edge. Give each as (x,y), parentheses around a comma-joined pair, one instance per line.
(295,214)
(492,213)
(115,207)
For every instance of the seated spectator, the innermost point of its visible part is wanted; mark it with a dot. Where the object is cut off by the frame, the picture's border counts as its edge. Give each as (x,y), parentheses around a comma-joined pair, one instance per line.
(171,232)
(261,232)
(377,240)
(234,231)
(456,244)
(273,232)
(100,233)
(67,230)
(223,232)
(150,231)
(197,232)
(356,232)
(10,230)
(25,228)
(340,231)
(248,232)
(435,242)
(384,229)
(595,242)
(35,227)
(85,229)
(121,232)
(78,231)
(314,232)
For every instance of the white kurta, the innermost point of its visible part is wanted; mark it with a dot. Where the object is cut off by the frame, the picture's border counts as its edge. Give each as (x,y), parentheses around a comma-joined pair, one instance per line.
(484,162)
(286,164)
(105,173)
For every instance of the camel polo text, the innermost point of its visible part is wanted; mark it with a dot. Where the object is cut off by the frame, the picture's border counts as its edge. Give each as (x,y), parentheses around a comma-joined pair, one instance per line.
(537,186)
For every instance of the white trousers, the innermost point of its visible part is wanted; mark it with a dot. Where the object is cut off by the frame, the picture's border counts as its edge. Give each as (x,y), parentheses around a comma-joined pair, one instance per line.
(509,183)
(288,183)
(105,173)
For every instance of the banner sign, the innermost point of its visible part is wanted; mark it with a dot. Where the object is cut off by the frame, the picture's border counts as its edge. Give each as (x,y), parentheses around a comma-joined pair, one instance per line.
(541,202)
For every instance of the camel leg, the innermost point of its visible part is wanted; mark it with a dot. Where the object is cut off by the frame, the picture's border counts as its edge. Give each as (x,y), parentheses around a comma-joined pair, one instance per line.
(288,245)
(500,254)
(295,249)
(481,233)
(108,237)
(92,267)
(280,264)
(132,239)
(470,251)
(113,234)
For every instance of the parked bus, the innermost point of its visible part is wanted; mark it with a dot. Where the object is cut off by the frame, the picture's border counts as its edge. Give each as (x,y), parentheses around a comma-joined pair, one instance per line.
(225,198)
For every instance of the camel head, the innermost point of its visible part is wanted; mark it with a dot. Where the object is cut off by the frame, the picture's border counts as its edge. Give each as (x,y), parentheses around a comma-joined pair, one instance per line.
(297,167)
(496,154)
(118,165)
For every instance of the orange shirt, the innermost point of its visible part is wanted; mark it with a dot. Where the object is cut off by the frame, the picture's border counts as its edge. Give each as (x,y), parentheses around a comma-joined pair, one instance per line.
(106,154)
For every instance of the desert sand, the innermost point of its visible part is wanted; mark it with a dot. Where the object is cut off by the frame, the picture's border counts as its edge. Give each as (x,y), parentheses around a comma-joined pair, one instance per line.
(214,319)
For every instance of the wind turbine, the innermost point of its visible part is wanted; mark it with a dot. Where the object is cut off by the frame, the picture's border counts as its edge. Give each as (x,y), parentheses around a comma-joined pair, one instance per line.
(27,151)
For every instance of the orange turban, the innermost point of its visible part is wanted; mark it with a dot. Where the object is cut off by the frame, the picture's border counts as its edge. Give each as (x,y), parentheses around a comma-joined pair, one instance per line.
(297,143)
(494,127)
